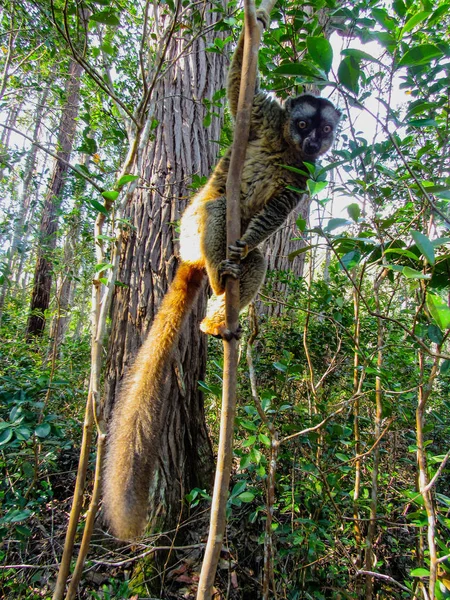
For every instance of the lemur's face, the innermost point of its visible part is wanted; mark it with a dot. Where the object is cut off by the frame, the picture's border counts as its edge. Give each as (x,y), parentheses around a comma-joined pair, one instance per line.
(311,125)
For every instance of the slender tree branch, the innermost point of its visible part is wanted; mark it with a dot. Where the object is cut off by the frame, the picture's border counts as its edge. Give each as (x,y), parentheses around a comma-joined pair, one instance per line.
(55,156)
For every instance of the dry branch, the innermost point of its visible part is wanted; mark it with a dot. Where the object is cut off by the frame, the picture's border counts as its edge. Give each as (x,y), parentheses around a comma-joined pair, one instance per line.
(225,451)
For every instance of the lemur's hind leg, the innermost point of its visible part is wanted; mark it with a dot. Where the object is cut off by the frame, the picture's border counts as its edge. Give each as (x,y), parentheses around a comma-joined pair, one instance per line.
(214,243)
(250,271)
(253,269)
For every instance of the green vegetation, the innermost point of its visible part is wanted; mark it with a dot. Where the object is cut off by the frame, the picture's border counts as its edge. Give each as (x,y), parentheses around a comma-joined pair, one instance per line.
(342,436)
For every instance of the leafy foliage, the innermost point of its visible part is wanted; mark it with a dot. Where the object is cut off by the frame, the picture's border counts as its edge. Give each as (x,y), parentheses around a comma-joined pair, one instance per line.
(353,375)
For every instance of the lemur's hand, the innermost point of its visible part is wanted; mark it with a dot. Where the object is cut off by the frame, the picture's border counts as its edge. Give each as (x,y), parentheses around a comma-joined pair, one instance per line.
(238,251)
(263,16)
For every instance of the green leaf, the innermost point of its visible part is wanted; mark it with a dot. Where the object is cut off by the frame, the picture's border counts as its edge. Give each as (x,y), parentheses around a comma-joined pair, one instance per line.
(424,245)
(301,223)
(103,267)
(25,531)
(439,310)
(5,436)
(22,433)
(43,430)
(100,207)
(280,366)
(420,55)
(349,73)
(401,252)
(315,187)
(107,17)
(440,241)
(292,255)
(354,211)
(351,259)
(17,515)
(246,497)
(110,195)
(264,439)
(423,123)
(435,334)
(420,572)
(335,223)
(359,55)
(108,49)
(445,367)
(342,457)
(126,179)
(413,22)
(249,442)
(299,70)
(320,51)
(413,274)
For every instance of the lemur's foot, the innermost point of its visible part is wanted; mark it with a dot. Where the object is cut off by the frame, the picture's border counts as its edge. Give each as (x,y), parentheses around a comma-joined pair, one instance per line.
(263,16)
(238,250)
(229,267)
(218,329)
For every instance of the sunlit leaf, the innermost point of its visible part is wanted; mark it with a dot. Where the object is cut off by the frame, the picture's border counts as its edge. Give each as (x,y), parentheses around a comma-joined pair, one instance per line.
(5,436)
(354,211)
(419,55)
(295,253)
(246,497)
(43,430)
(126,179)
(424,245)
(439,310)
(359,54)
(106,17)
(413,274)
(420,572)
(413,22)
(100,207)
(320,51)
(315,187)
(110,195)
(335,223)
(349,73)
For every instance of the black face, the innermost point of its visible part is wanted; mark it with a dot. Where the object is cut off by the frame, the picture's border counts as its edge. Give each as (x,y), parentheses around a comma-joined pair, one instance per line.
(311,125)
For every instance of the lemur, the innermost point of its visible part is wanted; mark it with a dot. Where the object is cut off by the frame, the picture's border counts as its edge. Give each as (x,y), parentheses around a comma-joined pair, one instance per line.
(301,130)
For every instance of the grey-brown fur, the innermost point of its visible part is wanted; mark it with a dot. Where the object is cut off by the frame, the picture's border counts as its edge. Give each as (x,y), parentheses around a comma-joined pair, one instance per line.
(275,139)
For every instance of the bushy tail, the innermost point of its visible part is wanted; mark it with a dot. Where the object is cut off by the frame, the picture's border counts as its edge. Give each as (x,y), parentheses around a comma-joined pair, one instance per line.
(135,426)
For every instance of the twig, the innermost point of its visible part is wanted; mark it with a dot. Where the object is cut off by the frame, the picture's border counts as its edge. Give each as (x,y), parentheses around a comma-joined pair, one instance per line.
(53,155)
(120,563)
(384,578)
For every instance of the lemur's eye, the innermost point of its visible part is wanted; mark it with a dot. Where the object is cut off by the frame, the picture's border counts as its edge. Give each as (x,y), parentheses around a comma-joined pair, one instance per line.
(327,129)
(302,124)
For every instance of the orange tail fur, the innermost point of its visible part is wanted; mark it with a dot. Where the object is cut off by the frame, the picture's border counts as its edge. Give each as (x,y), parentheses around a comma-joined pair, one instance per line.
(135,427)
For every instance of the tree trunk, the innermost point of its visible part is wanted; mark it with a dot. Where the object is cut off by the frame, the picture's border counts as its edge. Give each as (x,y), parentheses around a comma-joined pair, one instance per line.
(277,251)
(40,299)
(25,197)
(182,147)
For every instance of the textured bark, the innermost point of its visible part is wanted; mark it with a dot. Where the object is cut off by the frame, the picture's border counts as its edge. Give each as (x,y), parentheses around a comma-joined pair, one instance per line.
(277,250)
(182,147)
(40,299)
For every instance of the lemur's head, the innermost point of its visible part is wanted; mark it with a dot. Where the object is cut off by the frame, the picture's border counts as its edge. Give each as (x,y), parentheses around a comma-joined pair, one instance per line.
(310,125)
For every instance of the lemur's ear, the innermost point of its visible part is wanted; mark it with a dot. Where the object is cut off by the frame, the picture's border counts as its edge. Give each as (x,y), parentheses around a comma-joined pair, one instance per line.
(291,102)
(288,105)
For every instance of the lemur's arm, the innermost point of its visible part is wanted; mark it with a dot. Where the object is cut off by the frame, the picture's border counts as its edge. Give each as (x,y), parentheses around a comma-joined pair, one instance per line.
(269,219)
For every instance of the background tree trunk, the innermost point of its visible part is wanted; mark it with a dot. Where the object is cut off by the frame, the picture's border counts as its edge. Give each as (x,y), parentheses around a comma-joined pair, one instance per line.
(182,147)
(19,236)
(40,298)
